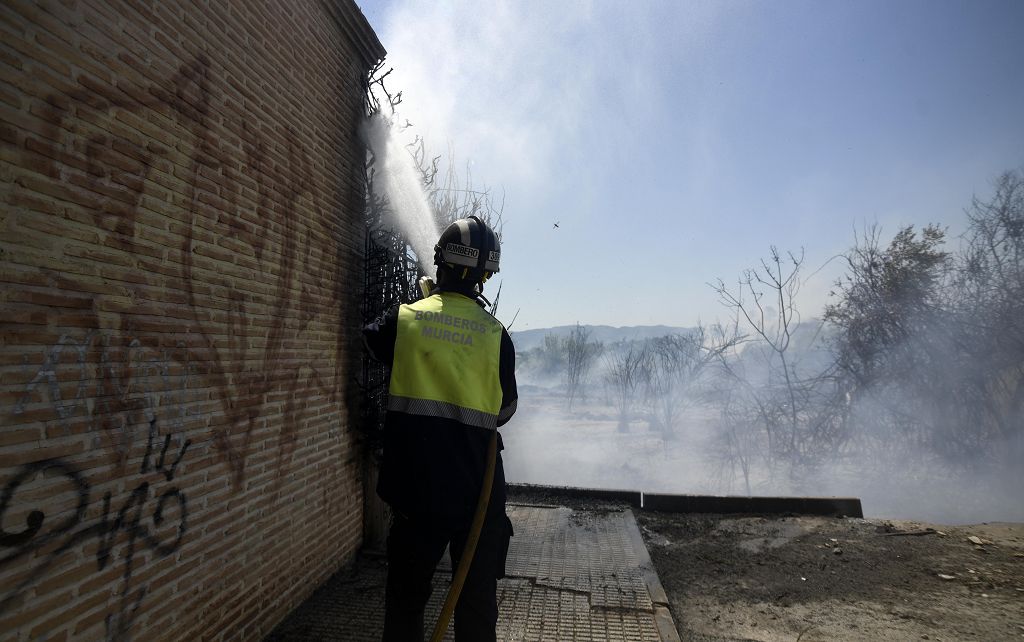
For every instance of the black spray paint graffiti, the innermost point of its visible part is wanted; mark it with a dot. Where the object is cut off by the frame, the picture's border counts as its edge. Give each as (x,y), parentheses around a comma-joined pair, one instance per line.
(150,519)
(119,389)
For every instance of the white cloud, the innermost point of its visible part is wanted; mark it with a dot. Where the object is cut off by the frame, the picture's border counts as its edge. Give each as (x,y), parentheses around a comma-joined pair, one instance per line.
(519,86)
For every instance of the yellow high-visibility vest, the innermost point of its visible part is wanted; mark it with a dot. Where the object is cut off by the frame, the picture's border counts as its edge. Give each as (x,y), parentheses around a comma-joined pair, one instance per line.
(446,361)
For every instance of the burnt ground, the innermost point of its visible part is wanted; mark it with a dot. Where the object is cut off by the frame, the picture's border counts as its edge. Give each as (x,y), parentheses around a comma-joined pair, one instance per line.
(815,578)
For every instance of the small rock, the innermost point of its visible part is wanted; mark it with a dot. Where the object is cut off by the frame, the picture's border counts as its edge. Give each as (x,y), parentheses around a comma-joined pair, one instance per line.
(946,577)
(837,551)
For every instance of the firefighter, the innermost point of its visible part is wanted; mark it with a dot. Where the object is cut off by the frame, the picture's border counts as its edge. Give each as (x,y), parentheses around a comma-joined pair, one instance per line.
(452,384)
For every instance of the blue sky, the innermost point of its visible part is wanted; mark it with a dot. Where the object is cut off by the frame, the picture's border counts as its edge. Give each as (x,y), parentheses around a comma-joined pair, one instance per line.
(674,142)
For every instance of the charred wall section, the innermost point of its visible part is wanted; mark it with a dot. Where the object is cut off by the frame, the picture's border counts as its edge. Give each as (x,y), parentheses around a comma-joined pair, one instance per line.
(180,260)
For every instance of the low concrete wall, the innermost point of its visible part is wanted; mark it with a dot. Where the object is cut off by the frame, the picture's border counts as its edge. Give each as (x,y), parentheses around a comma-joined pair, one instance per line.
(839,506)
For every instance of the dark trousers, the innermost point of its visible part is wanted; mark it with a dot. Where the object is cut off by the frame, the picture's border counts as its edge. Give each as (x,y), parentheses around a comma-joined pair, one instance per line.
(414,549)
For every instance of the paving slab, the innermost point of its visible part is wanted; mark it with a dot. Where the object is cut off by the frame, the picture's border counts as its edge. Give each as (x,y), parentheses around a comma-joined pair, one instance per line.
(570,575)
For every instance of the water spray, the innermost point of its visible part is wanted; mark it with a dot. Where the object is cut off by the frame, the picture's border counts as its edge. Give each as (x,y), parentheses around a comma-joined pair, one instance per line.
(399,181)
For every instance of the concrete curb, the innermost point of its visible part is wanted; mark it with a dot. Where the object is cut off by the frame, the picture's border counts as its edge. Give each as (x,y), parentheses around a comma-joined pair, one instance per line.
(837,506)
(631,497)
(662,615)
(833,506)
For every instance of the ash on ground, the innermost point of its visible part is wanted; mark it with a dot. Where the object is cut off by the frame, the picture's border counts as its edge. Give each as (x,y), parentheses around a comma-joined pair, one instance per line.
(817,578)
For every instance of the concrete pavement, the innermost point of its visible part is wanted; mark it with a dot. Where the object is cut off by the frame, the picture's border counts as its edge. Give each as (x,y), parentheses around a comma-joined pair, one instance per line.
(572,574)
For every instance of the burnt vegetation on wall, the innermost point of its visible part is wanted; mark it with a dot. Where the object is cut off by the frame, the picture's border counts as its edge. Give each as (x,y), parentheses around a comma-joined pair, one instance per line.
(392,270)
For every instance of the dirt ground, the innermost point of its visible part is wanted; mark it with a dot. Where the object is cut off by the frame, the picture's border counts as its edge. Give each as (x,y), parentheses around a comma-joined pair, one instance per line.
(814,578)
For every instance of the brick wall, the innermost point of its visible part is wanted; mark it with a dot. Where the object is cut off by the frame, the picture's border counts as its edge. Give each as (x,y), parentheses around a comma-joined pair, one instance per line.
(180,248)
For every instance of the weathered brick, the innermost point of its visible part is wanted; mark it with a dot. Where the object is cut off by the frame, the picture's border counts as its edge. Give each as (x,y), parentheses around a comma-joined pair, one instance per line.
(51,298)
(183,186)
(66,579)
(19,436)
(15,620)
(78,612)
(57,227)
(59,191)
(56,153)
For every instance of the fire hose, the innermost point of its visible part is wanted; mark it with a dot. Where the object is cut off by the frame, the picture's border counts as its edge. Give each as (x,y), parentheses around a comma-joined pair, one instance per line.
(470,548)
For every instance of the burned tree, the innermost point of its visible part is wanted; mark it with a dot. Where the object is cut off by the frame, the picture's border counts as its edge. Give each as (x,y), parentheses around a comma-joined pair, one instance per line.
(989,295)
(678,363)
(580,353)
(889,322)
(625,377)
(765,299)
(931,343)
(739,438)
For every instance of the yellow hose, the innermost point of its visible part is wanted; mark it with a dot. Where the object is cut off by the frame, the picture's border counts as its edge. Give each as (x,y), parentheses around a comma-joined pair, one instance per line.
(470,549)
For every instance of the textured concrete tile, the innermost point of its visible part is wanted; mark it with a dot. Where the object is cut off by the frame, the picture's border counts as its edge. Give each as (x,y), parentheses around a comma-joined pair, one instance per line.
(571,575)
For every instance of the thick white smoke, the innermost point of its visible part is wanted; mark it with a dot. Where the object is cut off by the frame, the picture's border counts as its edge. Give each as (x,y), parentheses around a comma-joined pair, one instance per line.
(400,182)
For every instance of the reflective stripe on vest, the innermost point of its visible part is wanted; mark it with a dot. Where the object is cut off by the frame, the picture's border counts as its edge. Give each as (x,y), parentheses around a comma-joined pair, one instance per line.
(446,361)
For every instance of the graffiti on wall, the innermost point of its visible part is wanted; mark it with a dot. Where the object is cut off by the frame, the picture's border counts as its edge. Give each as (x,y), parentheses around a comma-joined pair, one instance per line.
(245,327)
(117,388)
(248,328)
(153,517)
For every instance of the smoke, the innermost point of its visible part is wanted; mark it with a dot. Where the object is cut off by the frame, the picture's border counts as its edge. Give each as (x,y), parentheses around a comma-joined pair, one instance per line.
(545,443)
(398,181)
(716,446)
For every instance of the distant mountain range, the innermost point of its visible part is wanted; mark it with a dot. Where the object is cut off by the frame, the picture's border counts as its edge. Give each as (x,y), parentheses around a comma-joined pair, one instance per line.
(529,339)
